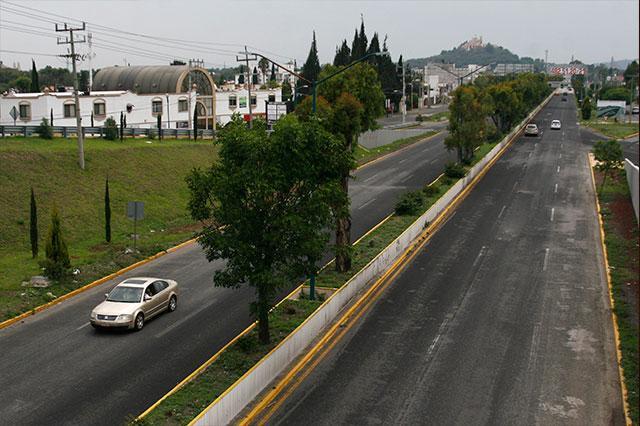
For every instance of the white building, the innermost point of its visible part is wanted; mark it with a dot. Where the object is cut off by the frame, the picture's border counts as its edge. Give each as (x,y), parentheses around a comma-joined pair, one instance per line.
(141,111)
(236,101)
(505,69)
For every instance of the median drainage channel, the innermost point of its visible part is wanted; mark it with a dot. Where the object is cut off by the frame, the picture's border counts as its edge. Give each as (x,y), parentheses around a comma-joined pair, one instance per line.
(241,370)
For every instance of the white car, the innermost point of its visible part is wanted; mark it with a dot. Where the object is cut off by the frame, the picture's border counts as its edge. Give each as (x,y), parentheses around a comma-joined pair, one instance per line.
(531,130)
(134,301)
(555,125)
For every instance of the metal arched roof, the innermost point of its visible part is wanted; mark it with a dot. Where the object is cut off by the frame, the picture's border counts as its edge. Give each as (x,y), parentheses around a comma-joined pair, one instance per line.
(143,80)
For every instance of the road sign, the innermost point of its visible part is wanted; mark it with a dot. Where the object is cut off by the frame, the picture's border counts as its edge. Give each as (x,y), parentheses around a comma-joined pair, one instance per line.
(135,210)
(14,114)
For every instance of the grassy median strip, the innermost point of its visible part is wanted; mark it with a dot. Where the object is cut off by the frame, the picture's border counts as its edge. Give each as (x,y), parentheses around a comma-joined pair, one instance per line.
(364,155)
(184,405)
(621,241)
(612,129)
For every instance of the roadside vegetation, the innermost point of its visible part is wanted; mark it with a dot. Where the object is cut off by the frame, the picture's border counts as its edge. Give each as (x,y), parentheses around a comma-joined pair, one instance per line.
(612,129)
(138,170)
(364,155)
(621,240)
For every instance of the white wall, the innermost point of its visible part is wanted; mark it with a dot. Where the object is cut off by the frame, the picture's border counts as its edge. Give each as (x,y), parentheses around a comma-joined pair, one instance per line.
(224,111)
(632,180)
(115,101)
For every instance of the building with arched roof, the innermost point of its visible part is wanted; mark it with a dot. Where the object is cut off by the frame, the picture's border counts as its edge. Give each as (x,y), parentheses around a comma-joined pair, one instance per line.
(162,80)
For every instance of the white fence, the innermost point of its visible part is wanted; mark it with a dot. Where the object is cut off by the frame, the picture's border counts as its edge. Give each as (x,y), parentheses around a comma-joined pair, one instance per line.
(632,180)
(226,407)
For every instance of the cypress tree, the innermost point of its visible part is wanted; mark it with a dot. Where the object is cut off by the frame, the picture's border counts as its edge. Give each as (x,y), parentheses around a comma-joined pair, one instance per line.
(57,262)
(254,77)
(311,67)
(354,46)
(273,72)
(33,225)
(362,41)
(35,84)
(195,123)
(107,212)
(51,116)
(343,55)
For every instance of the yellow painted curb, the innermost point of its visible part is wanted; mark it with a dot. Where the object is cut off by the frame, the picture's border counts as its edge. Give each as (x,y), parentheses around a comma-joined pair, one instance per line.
(389,154)
(614,318)
(91,285)
(343,324)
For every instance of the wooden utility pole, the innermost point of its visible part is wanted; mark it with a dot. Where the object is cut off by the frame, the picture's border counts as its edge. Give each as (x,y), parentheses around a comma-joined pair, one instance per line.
(72,41)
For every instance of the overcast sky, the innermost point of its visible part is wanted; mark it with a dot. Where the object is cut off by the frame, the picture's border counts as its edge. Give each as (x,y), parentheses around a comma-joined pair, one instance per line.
(592,31)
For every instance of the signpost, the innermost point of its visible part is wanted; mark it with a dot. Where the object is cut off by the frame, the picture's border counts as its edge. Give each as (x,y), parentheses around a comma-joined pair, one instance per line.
(135,211)
(14,114)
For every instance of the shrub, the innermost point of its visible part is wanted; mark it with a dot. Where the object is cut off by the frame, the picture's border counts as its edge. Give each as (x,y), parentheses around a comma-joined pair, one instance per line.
(45,130)
(110,129)
(410,203)
(419,118)
(430,191)
(454,170)
(57,261)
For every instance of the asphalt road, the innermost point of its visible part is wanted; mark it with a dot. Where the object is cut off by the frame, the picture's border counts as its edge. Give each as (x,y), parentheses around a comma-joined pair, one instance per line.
(395,119)
(629,146)
(55,369)
(502,318)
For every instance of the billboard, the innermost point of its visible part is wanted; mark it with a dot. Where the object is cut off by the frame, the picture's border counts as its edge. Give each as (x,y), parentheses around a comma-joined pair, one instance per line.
(567,70)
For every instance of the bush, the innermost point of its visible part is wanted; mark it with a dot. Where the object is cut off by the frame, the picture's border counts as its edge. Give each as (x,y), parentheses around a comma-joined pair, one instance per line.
(45,130)
(57,263)
(419,118)
(410,203)
(430,191)
(110,129)
(454,170)
(586,109)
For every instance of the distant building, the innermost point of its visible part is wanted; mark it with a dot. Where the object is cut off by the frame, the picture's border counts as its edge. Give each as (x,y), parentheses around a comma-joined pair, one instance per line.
(505,69)
(236,101)
(474,43)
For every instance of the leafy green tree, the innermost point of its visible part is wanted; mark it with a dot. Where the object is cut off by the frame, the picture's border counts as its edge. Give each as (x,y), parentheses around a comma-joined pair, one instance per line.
(33,225)
(57,261)
(609,156)
(263,64)
(631,78)
(35,84)
(586,109)
(505,106)
(107,212)
(110,129)
(44,130)
(265,204)
(616,94)
(324,112)
(467,124)
(22,83)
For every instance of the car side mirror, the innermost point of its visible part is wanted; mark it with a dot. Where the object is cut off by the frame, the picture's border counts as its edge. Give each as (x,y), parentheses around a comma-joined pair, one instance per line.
(147,297)
(106,295)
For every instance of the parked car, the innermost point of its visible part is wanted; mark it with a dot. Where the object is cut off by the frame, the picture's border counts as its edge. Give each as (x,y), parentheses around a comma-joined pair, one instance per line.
(635,110)
(134,301)
(531,130)
(556,125)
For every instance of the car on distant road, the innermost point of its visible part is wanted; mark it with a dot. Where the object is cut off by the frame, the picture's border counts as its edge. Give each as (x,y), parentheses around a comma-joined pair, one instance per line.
(556,125)
(531,130)
(134,301)
(635,110)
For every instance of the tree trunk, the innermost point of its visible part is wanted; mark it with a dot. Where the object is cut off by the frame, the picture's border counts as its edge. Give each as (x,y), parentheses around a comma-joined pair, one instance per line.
(263,317)
(343,224)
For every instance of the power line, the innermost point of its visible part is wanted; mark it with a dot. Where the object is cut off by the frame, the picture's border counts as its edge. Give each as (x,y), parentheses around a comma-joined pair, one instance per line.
(28,53)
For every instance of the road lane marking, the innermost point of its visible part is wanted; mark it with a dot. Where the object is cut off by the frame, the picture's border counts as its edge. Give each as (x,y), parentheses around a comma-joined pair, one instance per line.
(555,190)
(433,161)
(514,186)
(545,263)
(370,178)
(560,157)
(367,203)
(558,169)
(561,145)
(187,317)
(402,161)
(553,212)
(83,326)
(407,178)
(480,254)
(530,154)
(501,211)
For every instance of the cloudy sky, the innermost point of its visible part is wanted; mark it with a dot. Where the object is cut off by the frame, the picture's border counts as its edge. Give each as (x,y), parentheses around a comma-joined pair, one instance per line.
(591,31)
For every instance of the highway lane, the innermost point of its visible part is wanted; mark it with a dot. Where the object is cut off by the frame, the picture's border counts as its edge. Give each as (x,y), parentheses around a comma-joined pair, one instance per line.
(502,318)
(55,369)
(629,145)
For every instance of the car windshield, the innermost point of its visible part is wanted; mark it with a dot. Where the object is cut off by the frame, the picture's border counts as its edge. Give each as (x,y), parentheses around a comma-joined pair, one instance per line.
(531,126)
(125,294)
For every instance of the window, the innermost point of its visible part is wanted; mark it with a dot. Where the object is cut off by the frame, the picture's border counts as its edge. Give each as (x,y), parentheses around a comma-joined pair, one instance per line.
(156,107)
(25,111)
(69,110)
(254,100)
(183,105)
(272,97)
(158,286)
(233,102)
(99,108)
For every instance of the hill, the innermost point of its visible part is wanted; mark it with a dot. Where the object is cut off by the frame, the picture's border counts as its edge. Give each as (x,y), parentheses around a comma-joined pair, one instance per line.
(138,171)
(482,54)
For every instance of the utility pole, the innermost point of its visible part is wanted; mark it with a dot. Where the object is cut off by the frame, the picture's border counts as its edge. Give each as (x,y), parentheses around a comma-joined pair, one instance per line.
(247,79)
(71,40)
(404,98)
(89,41)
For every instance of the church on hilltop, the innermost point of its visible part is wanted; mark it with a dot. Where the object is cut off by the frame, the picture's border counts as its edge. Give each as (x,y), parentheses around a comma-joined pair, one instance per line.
(474,43)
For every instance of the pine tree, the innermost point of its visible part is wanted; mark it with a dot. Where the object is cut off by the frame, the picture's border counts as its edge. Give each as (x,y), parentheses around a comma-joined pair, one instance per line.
(107,212)
(311,67)
(57,262)
(362,41)
(343,55)
(374,47)
(35,84)
(273,72)
(33,225)
(254,77)
(355,46)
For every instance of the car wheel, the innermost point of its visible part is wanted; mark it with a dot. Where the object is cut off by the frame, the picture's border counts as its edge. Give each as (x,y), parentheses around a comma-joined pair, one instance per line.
(173,304)
(139,323)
